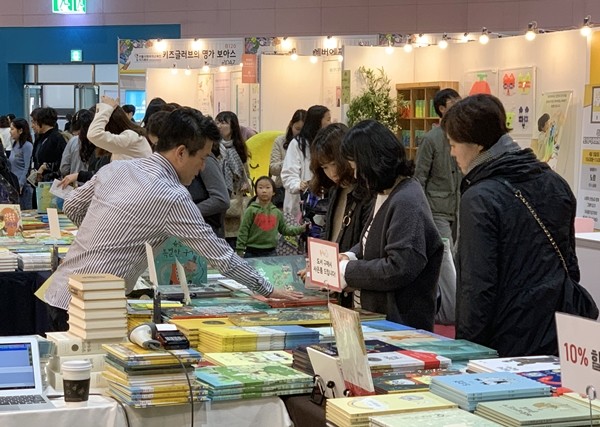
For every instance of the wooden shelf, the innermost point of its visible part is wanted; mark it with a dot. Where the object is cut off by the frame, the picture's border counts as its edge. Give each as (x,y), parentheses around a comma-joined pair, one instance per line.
(422,116)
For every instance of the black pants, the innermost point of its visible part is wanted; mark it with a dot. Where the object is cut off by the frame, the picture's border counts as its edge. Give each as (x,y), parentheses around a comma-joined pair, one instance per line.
(58,319)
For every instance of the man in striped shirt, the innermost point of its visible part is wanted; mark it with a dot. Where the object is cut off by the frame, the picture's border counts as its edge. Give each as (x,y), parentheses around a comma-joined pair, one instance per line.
(128,203)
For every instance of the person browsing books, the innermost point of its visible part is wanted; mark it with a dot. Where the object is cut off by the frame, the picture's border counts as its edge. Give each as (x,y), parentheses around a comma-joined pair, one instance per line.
(129,203)
(262,222)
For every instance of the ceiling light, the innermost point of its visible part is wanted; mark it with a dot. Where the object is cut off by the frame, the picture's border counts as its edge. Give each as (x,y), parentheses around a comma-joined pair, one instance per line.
(443,43)
(586,29)
(531,30)
(313,59)
(484,38)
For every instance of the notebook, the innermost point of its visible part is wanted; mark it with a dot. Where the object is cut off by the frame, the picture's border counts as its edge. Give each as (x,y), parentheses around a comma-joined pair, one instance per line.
(20,376)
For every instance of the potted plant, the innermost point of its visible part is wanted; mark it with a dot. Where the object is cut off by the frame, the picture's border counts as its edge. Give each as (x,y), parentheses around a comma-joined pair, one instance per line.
(375,102)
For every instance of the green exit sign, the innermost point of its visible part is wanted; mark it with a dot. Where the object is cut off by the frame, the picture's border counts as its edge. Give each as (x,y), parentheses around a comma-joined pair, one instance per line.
(69,7)
(76,55)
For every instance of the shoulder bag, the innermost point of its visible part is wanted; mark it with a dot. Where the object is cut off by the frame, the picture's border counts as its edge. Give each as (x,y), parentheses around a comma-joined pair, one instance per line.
(576,299)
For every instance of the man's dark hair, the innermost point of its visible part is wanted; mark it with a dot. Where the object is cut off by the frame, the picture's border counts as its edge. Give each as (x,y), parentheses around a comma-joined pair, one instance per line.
(188,127)
(45,116)
(156,122)
(478,119)
(440,99)
(379,157)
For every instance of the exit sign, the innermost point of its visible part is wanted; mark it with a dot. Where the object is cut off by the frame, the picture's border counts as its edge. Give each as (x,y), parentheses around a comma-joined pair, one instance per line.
(69,7)
(76,55)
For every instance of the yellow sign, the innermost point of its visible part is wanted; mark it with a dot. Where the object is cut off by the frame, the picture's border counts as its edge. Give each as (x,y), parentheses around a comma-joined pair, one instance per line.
(591,157)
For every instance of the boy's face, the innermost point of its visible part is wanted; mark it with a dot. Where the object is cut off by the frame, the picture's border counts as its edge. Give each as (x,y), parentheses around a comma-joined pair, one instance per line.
(264,191)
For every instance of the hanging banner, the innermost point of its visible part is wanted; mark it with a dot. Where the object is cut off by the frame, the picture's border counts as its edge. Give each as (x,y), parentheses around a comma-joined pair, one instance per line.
(552,116)
(250,68)
(137,55)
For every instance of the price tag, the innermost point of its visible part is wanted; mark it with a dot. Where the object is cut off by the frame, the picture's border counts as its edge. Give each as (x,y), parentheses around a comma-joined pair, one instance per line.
(323,264)
(579,351)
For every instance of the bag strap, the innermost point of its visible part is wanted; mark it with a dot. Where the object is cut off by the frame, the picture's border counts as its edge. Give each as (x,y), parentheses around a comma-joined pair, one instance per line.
(522,198)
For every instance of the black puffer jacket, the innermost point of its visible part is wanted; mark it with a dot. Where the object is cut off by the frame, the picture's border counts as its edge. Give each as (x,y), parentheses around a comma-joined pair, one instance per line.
(509,278)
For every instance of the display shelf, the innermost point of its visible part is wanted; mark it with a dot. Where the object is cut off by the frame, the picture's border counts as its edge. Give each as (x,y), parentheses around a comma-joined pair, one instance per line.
(419,117)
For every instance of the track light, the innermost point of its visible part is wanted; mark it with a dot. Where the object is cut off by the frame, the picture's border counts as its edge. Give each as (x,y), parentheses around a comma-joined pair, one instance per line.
(464,38)
(313,59)
(408,46)
(484,38)
(443,43)
(196,44)
(174,70)
(206,68)
(532,30)
(286,44)
(586,29)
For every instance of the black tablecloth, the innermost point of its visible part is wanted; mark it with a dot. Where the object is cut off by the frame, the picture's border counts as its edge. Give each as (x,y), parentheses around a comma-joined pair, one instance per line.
(21,312)
(303,412)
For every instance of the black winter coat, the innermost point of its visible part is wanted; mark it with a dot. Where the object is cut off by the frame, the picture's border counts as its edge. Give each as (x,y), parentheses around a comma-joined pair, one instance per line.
(509,278)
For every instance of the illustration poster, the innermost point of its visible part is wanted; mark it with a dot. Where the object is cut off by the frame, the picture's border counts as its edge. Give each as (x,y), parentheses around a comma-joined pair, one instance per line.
(550,121)
(482,81)
(588,203)
(352,352)
(205,94)
(516,90)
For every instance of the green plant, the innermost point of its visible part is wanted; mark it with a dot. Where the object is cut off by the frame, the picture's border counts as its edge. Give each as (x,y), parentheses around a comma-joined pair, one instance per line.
(375,102)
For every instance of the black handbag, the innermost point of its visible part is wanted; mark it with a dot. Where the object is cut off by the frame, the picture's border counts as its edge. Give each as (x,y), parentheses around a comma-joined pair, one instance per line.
(575,298)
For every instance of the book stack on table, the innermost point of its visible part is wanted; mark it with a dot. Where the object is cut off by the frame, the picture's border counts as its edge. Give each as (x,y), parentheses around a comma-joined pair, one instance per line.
(249,358)
(142,378)
(98,307)
(252,381)
(356,411)
(543,411)
(468,390)
(8,261)
(442,418)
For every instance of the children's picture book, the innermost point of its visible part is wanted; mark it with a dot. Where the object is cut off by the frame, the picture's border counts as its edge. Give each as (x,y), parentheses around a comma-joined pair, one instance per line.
(453,349)
(515,364)
(202,290)
(249,358)
(250,375)
(441,418)
(194,264)
(401,382)
(10,220)
(301,317)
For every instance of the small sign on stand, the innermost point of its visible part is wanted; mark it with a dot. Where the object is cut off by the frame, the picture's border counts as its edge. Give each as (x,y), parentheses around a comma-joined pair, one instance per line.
(579,354)
(323,264)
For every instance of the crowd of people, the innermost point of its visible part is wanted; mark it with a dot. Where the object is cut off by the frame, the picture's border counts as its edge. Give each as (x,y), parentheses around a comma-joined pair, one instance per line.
(181,173)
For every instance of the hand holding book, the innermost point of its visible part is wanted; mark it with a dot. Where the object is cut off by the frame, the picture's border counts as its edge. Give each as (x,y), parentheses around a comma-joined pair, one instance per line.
(281,294)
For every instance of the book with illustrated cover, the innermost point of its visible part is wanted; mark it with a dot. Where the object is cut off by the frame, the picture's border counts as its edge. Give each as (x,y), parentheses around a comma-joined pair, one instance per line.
(128,351)
(385,325)
(200,290)
(191,312)
(400,382)
(491,384)
(96,282)
(249,358)
(515,364)
(551,378)
(304,317)
(453,349)
(10,221)
(250,375)
(556,411)
(404,336)
(362,407)
(441,418)
(246,300)
(193,263)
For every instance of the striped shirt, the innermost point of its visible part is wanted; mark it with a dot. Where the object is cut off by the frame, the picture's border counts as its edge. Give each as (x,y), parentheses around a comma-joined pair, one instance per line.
(129,203)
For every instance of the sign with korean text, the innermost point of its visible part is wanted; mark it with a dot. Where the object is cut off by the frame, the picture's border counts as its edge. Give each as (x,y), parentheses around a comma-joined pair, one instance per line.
(579,352)
(178,53)
(323,264)
(250,68)
(69,7)
(588,197)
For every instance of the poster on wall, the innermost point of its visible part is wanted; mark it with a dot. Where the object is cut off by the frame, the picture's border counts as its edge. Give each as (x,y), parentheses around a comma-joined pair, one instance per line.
(551,118)
(205,94)
(481,81)
(588,196)
(332,91)
(222,92)
(255,106)
(240,93)
(516,90)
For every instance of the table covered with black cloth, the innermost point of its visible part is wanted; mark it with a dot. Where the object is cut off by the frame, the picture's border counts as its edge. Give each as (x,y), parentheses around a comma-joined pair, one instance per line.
(303,412)
(21,312)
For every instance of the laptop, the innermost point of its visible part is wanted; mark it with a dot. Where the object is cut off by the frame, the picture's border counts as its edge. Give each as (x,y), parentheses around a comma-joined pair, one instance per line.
(20,375)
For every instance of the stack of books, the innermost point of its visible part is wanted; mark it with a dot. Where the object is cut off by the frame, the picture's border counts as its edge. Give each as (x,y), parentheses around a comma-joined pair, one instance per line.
(191,327)
(405,336)
(403,382)
(457,350)
(139,311)
(442,418)
(249,358)
(211,311)
(98,307)
(69,347)
(35,261)
(202,290)
(543,411)
(8,261)
(142,378)
(515,364)
(467,390)
(252,381)
(356,411)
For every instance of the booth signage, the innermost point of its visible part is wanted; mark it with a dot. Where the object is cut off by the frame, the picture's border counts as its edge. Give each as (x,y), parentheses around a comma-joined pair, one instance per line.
(76,55)
(179,53)
(69,7)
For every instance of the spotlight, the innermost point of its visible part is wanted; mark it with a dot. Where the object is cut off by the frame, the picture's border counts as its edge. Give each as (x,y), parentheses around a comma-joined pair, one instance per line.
(222,68)
(188,72)
(586,29)
(484,38)
(532,30)
(313,59)
(294,56)
(174,70)
(206,68)
(196,44)
(389,49)
(286,44)
(408,47)
(443,43)
(464,38)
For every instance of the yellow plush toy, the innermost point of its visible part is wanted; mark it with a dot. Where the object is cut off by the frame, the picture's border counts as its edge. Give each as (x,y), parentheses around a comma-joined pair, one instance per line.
(260,146)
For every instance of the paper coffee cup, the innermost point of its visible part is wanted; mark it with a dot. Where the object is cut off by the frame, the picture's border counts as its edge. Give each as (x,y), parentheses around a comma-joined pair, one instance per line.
(76,381)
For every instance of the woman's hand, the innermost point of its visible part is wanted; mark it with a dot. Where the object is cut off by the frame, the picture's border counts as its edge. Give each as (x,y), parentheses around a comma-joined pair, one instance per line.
(68,180)
(302,274)
(291,295)
(303,185)
(109,101)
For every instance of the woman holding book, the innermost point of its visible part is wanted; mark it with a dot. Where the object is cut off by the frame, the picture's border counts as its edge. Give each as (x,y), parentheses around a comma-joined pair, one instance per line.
(394,268)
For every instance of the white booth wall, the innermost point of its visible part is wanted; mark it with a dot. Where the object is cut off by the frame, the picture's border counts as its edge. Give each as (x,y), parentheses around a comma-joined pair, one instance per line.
(561,61)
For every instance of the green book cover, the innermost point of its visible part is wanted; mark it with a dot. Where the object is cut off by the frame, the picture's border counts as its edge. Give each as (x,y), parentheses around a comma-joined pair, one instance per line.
(194,264)
(251,375)
(441,418)
(452,349)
